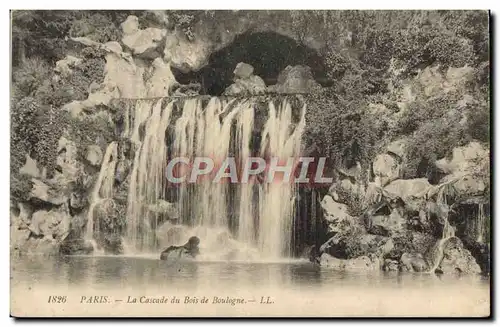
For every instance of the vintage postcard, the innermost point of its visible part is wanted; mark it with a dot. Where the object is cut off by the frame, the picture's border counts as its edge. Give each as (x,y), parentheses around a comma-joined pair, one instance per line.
(211,163)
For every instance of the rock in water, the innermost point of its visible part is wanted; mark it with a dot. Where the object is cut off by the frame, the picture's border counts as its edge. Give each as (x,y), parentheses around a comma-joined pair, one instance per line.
(455,258)
(188,251)
(413,262)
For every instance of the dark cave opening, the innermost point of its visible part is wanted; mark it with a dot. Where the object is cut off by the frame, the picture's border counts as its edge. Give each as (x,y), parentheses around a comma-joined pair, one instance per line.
(268,52)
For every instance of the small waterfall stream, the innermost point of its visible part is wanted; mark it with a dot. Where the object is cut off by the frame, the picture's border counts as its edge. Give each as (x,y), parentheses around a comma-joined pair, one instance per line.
(480,223)
(103,188)
(448,231)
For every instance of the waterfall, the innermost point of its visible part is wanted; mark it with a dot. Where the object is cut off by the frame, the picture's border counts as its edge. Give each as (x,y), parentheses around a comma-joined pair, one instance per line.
(257,217)
(103,188)
(147,182)
(448,230)
(480,222)
(184,147)
(276,213)
(246,226)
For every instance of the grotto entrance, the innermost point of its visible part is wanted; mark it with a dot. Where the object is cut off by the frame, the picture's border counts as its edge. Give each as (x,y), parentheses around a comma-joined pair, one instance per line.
(268,52)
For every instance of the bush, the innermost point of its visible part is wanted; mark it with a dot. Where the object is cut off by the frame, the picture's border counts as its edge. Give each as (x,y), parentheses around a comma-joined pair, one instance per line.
(97,27)
(20,187)
(30,76)
(90,130)
(35,130)
(450,51)
(24,130)
(338,123)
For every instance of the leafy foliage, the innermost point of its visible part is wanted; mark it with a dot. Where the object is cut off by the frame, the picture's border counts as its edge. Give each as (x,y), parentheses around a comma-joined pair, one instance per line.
(96,26)
(365,48)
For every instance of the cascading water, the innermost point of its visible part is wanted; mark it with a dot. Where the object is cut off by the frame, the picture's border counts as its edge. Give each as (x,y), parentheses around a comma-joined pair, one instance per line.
(147,183)
(246,226)
(103,188)
(278,198)
(448,230)
(480,223)
(241,215)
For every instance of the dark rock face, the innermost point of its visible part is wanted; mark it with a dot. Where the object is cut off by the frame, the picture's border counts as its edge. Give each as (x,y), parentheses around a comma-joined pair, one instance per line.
(76,246)
(188,251)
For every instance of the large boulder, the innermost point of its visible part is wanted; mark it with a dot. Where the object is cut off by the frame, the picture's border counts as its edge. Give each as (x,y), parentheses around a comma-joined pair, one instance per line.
(356,244)
(64,66)
(413,262)
(295,79)
(53,224)
(46,193)
(465,185)
(77,246)
(398,148)
(124,76)
(162,80)
(94,155)
(190,250)
(143,43)
(30,168)
(465,159)
(243,70)
(386,168)
(245,82)
(25,212)
(186,55)
(387,225)
(390,265)
(336,215)
(454,258)
(18,237)
(413,192)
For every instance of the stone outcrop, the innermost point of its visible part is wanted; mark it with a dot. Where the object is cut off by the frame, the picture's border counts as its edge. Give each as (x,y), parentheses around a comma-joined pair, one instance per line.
(39,232)
(413,192)
(464,159)
(145,43)
(386,168)
(64,67)
(413,262)
(335,213)
(245,82)
(295,79)
(455,258)
(30,168)
(94,155)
